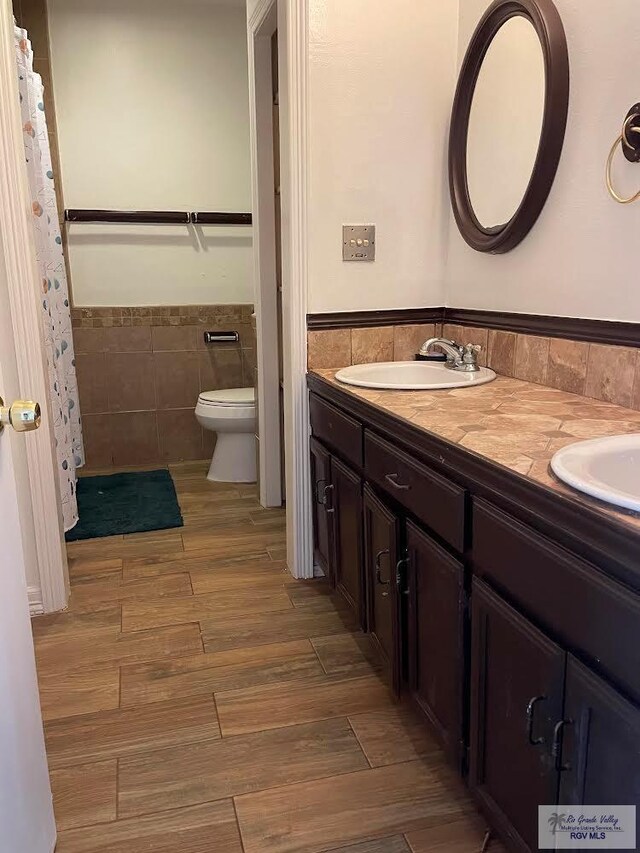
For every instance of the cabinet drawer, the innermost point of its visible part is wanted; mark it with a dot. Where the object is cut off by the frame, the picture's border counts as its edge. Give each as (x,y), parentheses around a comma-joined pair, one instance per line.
(336,429)
(590,613)
(434,500)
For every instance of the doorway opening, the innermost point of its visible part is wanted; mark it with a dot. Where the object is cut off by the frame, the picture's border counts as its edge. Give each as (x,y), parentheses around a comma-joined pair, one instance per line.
(150,160)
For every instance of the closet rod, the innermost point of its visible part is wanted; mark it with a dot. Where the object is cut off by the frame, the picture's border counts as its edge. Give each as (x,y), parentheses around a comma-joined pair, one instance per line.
(221,218)
(157,217)
(149,216)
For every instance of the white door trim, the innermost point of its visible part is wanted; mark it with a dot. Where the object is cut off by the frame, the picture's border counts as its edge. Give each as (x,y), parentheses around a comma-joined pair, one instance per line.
(292,19)
(261,27)
(23,281)
(294,71)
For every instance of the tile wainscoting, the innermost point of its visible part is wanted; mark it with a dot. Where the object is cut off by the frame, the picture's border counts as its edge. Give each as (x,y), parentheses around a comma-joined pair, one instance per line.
(140,371)
(604,372)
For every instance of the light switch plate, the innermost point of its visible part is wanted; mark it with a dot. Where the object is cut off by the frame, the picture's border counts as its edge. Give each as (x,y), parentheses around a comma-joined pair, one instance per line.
(358,242)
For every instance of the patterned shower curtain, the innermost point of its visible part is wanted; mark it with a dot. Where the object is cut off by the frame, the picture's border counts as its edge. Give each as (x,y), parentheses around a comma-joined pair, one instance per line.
(56,314)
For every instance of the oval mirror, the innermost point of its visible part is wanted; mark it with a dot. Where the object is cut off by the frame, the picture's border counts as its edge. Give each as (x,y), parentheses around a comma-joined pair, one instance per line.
(508,122)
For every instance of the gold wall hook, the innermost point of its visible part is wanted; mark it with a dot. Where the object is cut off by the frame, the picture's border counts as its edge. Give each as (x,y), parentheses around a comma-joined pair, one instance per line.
(23,415)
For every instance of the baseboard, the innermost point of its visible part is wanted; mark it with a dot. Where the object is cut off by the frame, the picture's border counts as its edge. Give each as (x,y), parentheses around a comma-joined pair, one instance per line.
(36,607)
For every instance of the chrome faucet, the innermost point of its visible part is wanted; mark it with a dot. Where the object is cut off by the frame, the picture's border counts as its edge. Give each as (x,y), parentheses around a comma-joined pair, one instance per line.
(459,357)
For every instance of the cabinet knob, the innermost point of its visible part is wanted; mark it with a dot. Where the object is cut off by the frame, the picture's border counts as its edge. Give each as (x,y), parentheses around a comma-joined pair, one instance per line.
(23,415)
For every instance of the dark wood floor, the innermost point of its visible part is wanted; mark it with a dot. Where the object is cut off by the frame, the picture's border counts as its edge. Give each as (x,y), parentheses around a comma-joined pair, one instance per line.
(197,699)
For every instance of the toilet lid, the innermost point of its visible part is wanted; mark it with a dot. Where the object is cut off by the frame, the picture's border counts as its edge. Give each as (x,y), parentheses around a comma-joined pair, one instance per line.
(230,397)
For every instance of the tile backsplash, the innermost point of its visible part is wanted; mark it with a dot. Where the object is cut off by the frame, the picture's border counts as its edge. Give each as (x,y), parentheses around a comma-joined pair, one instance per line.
(607,373)
(140,371)
(341,347)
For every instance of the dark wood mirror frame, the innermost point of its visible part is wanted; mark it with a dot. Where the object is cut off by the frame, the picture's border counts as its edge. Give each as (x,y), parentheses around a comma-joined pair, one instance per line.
(544,17)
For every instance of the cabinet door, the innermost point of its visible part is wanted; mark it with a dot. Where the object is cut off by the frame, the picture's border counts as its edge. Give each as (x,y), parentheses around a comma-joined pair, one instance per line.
(346,509)
(381,558)
(601,749)
(320,502)
(436,613)
(517,680)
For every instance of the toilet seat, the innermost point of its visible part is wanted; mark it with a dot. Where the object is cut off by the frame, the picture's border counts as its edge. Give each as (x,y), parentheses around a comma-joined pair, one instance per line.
(237,397)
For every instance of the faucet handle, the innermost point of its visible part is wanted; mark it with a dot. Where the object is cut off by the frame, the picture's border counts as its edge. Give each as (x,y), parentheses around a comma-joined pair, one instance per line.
(470,354)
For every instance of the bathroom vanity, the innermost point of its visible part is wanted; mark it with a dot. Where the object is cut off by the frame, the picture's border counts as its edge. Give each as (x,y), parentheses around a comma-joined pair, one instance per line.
(505,607)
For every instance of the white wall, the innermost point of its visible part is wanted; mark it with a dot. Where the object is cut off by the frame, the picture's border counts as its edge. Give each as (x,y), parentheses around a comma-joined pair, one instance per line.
(381,82)
(152,108)
(579,259)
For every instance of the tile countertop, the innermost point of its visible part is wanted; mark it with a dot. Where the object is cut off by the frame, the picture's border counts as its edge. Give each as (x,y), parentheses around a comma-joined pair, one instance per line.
(516,424)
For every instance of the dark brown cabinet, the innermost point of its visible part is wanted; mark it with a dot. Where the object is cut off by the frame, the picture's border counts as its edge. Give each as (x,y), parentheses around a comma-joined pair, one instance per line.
(346,508)
(517,677)
(521,654)
(320,503)
(381,547)
(435,647)
(336,496)
(600,757)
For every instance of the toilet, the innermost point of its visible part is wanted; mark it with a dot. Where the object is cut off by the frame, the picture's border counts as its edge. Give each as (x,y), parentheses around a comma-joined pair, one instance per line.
(231,413)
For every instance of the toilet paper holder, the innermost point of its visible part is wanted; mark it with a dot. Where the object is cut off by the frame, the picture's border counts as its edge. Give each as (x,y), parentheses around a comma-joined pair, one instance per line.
(221,337)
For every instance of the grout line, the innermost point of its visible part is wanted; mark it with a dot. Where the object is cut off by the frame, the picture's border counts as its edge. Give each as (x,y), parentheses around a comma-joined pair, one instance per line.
(117,787)
(311,639)
(235,811)
(359,742)
(215,708)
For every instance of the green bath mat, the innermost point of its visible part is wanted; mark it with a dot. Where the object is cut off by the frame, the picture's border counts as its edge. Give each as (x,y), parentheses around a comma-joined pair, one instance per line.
(125,503)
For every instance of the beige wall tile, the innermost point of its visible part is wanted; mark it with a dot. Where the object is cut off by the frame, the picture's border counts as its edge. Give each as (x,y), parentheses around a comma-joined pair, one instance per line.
(220,367)
(329,348)
(128,339)
(611,374)
(407,340)
(89,340)
(532,358)
(177,379)
(501,354)
(567,368)
(636,385)
(131,382)
(469,335)
(370,345)
(173,338)
(453,332)
(134,437)
(180,435)
(91,372)
(248,367)
(96,433)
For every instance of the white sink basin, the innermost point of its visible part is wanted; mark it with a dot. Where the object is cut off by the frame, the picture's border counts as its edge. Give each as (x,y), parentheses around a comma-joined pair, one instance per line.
(411,376)
(605,468)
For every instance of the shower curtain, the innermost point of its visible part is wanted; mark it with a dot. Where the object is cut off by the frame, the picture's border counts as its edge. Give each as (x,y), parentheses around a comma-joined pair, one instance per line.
(56,313)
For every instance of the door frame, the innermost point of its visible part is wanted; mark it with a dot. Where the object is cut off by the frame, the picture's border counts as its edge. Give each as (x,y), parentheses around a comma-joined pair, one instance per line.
(23,278)
(290,17)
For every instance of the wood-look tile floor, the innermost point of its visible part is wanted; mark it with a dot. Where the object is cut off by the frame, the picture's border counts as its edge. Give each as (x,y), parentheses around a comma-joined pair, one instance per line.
(197,699)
